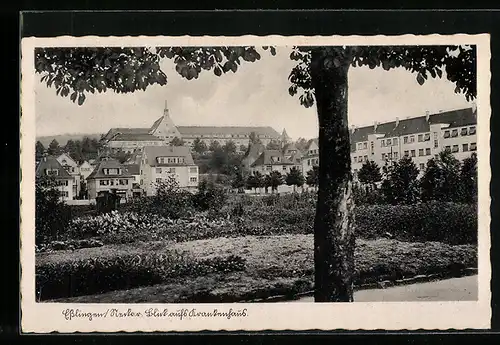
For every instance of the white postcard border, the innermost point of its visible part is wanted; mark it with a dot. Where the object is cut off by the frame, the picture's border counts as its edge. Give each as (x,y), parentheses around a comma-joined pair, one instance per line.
(49,317)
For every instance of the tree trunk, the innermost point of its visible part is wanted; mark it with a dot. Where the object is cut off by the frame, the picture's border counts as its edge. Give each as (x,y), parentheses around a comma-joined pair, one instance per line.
(334,239)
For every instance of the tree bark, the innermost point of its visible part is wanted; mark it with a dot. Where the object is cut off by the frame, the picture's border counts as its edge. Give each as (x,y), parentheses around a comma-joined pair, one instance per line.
(334,238)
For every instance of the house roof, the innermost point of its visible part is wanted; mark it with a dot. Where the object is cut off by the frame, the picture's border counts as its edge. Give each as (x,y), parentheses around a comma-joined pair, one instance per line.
(50,162)
(155,125)
(226,130)
(114,131)
(135,137)
(108,164)
(153,152)
(132,169)
(455,118)
(70,161)
(266,158)
(255,150)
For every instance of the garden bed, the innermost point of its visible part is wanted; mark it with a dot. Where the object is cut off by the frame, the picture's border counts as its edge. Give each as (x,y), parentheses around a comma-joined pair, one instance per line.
(273,265)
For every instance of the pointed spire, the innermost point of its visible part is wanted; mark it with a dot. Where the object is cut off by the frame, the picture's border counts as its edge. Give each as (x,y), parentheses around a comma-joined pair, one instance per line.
(165,110)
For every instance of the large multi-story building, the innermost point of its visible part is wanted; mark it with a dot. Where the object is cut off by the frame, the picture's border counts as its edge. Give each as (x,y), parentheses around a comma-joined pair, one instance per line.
(164,130)
(420,138)
(160,163)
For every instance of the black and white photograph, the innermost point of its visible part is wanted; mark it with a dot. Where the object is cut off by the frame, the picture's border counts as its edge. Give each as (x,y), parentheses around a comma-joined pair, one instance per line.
(214,182)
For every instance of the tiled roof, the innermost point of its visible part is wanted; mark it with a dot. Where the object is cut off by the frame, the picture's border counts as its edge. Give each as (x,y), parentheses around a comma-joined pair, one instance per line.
(255,150)
(108,164)
(265,158)
(153,152)
(226,130)
(455,118)
(135,137)
(50,162)
(132,169)
(155,125)
(310,141)
(113,131)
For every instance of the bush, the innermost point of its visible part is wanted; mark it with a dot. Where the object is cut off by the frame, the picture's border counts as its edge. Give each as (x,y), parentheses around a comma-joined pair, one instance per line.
(210,196)
(435,221)
(67,277)
(52,216)
(70,245)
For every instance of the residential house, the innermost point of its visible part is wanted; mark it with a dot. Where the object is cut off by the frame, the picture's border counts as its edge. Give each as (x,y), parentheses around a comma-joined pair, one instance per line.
(272,160)
(49,166)
(159,163)
(110,175)
(73,169)
(310,156)
(253,152)
(85,170)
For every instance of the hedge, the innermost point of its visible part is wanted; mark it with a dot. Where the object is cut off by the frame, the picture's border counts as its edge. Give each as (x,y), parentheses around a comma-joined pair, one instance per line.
(70,276)
(436,221)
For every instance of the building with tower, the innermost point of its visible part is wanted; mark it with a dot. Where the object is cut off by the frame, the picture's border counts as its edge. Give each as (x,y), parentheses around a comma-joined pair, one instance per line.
(164,130)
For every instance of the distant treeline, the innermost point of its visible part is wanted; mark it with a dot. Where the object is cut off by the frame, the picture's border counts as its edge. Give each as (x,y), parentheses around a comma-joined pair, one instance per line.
(79,150)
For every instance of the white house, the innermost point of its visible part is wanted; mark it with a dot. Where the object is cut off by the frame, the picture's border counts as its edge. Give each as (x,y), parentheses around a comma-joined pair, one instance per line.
(50,167)
(158,163)
(73,169)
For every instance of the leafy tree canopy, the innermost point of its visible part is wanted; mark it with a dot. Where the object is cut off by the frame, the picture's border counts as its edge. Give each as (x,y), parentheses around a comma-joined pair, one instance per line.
(75,72)
(369,173)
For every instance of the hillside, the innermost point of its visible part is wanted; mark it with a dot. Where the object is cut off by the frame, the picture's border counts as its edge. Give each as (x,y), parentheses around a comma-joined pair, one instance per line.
(62,139)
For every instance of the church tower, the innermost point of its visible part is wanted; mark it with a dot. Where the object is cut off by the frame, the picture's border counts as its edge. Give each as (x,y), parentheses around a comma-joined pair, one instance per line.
(164,127)
(284,138)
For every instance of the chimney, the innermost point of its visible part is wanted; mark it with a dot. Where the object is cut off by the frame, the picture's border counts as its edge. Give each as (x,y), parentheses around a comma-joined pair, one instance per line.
(427,115)
(397,121)
(375,125)
(353,128)
(474,107)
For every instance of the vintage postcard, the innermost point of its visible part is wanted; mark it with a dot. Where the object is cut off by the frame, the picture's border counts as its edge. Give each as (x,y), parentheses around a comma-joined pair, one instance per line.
(255,183)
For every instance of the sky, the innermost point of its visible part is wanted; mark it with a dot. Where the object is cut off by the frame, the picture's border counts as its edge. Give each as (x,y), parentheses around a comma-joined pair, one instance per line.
(256,95)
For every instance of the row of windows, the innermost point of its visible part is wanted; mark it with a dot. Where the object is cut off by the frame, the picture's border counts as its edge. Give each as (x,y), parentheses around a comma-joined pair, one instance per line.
(177,160)
(389,142)
(313,152)
(360,159)
(111,171)
(166,170)
(389,156)
(463,132)
(363,145)
(62,183)
(64,194)
(421,152)
(465,148)
(313,161)
(121,182)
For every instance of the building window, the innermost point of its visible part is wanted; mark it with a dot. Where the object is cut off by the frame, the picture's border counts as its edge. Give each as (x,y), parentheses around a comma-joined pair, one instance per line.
(360,146)
(446,134)
(465,147)
(365,145)
(436,144)
(383,156)
(284,167)
(372,147)
(123,182)
(454,133)
(463,131)
(447,148)
(473,147)
(427,136)
(472,130)
(171,171)
(413,153)
(269,167)
(193,170)
(389,155)
(454,149)
(436,156)
(405,140)
(141,182)
(420,152)
(420,138)
(422,166)
(158,170)
(52,172)
(395,155)
(64,194)
(382,143)
(365,158)
(388,142)
(355,159)
(158,180)
(395,141)
(412,139)
(63,183)
(193,179)
(104,182)
(407,153)
(309,161)
(435,135)
(428,151)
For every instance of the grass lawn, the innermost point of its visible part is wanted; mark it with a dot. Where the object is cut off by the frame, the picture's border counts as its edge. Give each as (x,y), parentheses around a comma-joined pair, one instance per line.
(275,265)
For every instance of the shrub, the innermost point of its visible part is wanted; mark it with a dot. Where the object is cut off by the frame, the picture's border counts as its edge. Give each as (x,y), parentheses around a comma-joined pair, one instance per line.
(70,245)
(210,196)
(69,277)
